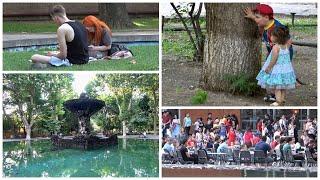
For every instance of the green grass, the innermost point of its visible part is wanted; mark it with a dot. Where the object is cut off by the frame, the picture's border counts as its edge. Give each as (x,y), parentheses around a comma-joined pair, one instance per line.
(302,25)
(177,43)
(146,23)
(50,27)
(146,57)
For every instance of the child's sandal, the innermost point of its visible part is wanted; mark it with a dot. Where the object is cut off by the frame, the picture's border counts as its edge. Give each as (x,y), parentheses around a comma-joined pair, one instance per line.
(277,104)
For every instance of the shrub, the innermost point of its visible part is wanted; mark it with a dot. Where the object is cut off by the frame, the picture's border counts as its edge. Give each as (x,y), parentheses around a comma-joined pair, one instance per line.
(200,97)
(242,84)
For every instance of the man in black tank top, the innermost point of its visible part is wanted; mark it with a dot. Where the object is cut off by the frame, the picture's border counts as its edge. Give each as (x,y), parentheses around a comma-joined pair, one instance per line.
(72,40)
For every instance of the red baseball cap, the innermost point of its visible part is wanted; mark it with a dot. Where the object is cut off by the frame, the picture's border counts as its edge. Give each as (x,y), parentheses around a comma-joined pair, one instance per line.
(264,9)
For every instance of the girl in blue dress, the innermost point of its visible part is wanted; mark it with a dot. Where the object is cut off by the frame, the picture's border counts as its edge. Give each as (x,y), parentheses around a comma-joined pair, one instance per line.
(277,73)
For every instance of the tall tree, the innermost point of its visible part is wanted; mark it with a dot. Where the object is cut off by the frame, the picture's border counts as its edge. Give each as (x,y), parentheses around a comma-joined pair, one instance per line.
(150,83)
(115,14)
(127,90)
(30,96)
(233,46)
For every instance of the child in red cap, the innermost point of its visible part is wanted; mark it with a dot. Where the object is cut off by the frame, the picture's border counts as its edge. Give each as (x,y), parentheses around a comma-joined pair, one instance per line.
(262,14)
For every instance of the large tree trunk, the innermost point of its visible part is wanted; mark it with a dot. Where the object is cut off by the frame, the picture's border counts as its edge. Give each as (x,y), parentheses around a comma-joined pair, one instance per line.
(115,15)
(232,46)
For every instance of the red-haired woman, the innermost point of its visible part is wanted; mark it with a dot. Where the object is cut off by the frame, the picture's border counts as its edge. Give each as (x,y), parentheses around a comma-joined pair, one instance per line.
(99,35)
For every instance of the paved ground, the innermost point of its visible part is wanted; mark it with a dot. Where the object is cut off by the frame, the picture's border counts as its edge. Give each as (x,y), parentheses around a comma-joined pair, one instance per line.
(29,39)
(208,170)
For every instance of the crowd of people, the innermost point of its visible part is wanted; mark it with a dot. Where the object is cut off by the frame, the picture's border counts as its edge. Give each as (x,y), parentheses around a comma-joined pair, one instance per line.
(272,136)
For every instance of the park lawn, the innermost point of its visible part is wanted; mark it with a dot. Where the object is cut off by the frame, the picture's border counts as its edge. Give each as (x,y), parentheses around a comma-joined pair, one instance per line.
(50,27)
(305,26)
(177,43)
(146,58)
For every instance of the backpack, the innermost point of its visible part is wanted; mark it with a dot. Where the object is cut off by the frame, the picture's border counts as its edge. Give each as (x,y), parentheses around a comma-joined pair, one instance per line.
(118,47)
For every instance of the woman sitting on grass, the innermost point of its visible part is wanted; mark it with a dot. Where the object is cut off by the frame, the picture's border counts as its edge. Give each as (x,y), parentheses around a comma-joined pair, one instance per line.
(100,37)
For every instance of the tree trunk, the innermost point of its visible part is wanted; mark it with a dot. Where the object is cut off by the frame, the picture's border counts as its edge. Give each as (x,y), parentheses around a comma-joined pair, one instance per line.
(115,15)
(124,129)
(232,46)
(27,125)
(28,133)
(156,114)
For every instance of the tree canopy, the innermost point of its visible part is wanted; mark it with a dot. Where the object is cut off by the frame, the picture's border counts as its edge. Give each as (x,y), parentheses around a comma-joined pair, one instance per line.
(33,103)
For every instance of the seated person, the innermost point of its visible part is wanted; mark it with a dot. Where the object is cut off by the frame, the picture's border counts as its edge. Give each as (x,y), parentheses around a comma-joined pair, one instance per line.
(99,35)
(216,143)
(287,148)
(191,142)
(256,138)
(186,156)
(169,147)
(223,147)
(265,147)
(72,42)
(275,142)
(312,146)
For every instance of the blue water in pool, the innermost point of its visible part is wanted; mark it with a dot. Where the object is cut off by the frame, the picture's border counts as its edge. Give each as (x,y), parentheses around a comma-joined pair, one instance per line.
(130,158)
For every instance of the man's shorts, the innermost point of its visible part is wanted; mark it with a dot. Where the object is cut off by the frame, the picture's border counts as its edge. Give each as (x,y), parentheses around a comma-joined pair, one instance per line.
(58,62)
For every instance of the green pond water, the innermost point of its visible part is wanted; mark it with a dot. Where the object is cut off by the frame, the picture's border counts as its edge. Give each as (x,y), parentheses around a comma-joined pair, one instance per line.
(130,158)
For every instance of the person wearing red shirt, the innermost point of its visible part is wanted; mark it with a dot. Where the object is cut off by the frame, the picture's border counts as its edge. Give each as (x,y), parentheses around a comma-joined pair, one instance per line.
(275,142)
(247,138)
(166,121)
(191,143)
(259,125)
(256,138)
(231,136)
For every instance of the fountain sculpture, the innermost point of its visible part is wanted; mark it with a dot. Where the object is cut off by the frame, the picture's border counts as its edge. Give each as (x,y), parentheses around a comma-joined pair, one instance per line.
(83,108)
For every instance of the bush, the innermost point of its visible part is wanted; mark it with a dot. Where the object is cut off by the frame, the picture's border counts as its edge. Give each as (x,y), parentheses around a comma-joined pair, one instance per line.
(242,84)
(200,97)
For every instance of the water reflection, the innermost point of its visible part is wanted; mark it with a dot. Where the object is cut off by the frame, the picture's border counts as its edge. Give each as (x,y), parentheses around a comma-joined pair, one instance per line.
(37,159)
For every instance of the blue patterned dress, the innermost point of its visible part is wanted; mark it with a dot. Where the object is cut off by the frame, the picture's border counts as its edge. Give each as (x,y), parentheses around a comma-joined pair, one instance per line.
(282,75)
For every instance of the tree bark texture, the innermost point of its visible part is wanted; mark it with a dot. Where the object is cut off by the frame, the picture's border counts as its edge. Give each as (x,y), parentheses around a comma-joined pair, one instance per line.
(232,45)
(115,15)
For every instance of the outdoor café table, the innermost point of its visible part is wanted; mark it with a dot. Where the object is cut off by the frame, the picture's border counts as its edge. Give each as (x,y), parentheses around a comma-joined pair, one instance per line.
(219,156)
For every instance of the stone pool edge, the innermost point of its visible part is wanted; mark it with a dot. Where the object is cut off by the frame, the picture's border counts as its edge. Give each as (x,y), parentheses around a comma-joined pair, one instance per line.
(25,40)
(149,137)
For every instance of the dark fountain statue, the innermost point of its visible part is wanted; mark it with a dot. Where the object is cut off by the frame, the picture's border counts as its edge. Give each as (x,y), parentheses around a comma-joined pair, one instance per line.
(83,108)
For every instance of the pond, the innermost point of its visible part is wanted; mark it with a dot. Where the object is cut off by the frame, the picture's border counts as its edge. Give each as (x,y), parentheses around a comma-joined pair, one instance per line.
(130,158)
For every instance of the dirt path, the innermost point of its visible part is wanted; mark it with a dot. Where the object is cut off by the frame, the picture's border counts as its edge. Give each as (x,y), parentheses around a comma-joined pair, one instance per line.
(180,78)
